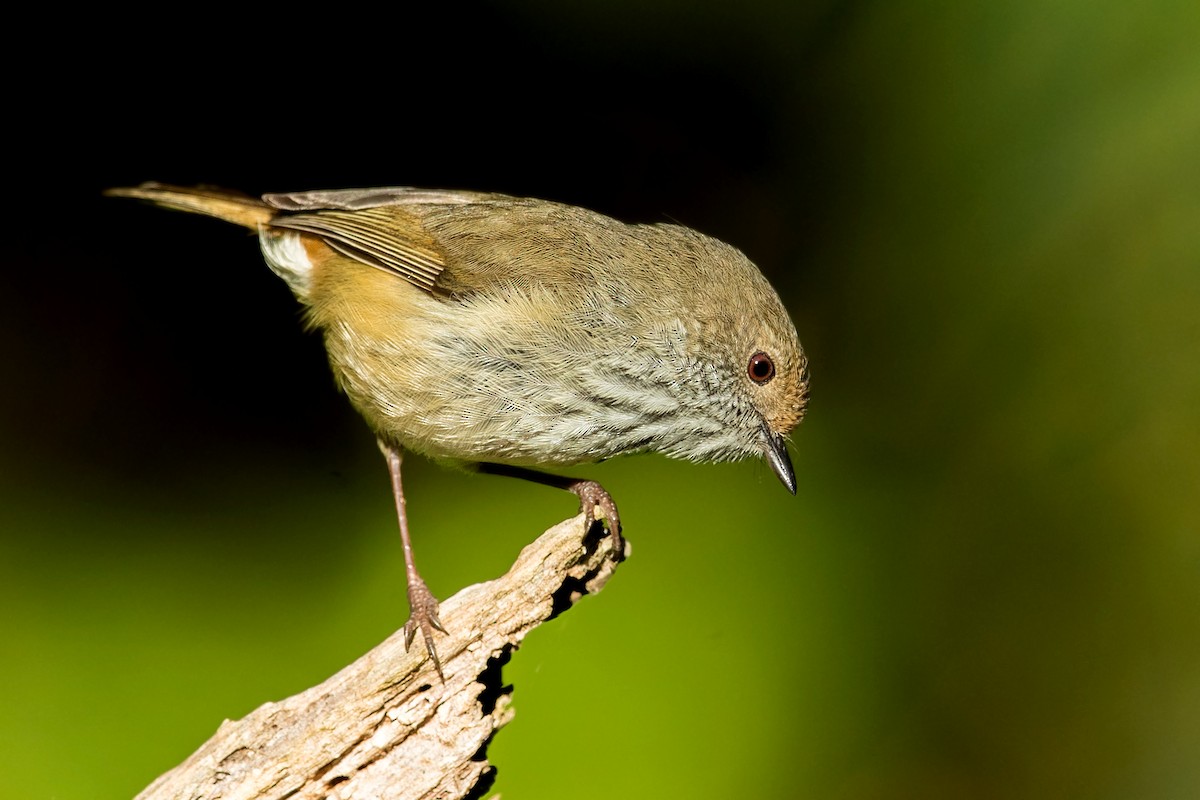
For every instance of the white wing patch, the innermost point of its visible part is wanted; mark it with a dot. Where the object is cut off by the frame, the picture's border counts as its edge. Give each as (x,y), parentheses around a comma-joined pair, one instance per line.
(287,258)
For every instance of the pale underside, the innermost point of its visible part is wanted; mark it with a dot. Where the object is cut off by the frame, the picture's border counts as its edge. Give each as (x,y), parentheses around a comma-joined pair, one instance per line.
(518,386)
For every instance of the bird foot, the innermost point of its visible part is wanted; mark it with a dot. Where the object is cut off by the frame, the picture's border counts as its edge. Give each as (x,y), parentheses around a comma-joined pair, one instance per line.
(423,617)
(591,495)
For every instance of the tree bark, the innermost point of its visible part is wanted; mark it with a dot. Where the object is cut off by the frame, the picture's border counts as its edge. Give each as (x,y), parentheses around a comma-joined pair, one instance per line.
(386,726)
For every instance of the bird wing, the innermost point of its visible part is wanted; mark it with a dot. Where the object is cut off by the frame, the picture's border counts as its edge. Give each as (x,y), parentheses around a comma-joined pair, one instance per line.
(358,199)
(453,242)
(381,237)
(381,227)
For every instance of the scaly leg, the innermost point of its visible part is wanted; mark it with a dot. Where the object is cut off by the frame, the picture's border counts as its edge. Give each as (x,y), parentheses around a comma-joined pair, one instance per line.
(423,606)
(590,494)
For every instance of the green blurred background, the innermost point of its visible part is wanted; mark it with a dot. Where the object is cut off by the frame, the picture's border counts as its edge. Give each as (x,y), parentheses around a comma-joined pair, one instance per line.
(984,217)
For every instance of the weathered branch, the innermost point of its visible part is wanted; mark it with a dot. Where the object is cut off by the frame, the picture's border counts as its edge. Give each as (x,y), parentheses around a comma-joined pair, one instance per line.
(386,726)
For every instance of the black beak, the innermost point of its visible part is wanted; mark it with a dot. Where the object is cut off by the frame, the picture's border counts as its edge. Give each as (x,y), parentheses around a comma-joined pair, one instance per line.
(775,450)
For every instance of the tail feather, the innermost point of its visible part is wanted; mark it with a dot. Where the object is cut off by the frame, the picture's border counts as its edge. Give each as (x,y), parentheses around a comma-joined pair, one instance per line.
(240,209)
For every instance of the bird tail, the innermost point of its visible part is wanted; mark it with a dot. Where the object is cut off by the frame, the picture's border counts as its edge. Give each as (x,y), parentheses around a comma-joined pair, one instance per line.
(240,209)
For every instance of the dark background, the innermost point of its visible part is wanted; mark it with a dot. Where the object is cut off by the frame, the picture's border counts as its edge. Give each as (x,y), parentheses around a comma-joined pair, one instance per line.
(984,218)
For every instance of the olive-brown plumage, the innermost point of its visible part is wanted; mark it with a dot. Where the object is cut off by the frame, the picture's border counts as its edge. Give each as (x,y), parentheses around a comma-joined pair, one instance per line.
(512,334)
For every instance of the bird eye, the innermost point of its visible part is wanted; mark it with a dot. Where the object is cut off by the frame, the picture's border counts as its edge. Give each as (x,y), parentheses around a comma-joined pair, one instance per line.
(761,368)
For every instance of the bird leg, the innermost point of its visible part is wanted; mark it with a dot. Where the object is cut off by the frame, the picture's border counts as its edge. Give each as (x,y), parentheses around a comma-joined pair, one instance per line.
(590,494)
(423,606)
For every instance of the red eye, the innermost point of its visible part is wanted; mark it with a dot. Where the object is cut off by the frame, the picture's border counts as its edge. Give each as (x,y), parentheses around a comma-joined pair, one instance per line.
(761,368)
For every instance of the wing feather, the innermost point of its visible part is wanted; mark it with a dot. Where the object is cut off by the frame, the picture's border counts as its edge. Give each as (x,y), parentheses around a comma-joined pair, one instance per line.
(359,199)
(379,236)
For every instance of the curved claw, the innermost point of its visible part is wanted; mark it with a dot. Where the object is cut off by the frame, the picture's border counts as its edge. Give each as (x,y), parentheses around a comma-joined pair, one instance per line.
(424,616)
(592,494)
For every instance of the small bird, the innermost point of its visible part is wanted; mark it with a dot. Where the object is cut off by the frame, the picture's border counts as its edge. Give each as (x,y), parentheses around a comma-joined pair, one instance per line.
(508,334)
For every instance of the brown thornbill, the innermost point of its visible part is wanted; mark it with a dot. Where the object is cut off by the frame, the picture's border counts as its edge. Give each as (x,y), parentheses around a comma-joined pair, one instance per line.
(508,334)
